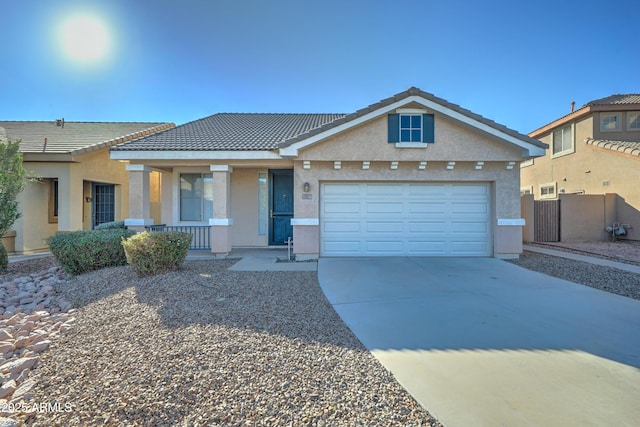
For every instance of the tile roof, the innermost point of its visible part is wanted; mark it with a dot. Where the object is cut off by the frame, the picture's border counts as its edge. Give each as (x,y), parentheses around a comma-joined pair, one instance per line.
(74,137)
(595,105)
(269,131)
(627,147)
(632,98)
(231,132)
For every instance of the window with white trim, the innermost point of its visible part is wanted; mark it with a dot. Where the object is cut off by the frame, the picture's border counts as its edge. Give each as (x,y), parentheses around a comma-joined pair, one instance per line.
(410,127)
(196,196)
(609,122)
(526,190)
(633,120)
(525,163)
(563,140)
(548,191)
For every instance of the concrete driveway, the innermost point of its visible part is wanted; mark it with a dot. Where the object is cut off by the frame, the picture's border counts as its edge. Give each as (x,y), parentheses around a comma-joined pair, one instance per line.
(481,342)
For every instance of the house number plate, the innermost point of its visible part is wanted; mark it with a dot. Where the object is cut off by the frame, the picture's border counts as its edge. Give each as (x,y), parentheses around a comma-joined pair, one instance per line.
(307,196)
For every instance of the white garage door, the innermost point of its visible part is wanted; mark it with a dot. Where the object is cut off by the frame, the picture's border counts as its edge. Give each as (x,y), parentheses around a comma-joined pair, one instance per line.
(405,219)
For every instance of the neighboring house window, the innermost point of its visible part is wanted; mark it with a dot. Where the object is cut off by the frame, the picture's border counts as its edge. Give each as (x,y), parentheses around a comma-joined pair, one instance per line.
(563,140)
(196,196)
(53,200)
(526,163)
(526,190)
(411,128)
(633,120)
(609,122)
(548,191)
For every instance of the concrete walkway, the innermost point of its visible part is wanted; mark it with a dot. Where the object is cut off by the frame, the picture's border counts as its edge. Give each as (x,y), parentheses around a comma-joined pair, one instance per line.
(584,258)
(482,342)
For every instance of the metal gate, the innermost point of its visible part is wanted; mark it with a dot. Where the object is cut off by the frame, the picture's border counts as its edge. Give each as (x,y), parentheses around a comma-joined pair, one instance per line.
(546,217)
(103,203)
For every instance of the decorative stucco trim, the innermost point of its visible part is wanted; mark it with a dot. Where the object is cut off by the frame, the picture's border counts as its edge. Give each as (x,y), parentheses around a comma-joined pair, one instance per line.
(305,221)
(221,222)
(515,222)
(220,168)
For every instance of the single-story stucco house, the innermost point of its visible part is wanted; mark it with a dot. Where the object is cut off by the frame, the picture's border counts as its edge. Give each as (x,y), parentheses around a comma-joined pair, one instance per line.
(79,186)
(411,175)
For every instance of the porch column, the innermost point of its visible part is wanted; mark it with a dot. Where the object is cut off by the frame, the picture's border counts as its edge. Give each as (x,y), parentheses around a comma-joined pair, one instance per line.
(70,202)
(139,197)
(221,223)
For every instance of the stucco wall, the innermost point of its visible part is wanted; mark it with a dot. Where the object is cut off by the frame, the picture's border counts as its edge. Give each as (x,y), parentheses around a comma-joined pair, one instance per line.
(452,142)
(244,208)
(73,210)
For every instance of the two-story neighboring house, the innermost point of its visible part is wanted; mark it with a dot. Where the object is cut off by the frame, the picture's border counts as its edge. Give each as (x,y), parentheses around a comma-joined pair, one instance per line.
(593,150)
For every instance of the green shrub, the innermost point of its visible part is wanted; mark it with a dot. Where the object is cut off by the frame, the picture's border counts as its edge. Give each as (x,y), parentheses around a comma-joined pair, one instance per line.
(4,259)
(82,251)
(156,252)
(114,225)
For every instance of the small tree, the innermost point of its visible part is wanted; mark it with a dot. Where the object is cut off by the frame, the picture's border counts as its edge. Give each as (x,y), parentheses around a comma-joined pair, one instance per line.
(13,179)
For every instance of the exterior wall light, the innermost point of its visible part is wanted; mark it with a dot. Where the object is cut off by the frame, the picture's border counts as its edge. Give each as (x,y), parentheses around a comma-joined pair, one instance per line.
(306,187)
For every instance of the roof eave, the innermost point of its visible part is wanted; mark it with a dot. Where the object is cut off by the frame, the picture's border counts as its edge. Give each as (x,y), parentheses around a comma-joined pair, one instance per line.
(194,155)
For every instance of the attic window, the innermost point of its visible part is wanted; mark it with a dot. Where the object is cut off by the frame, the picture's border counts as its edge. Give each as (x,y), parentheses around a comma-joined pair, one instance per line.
(409,127)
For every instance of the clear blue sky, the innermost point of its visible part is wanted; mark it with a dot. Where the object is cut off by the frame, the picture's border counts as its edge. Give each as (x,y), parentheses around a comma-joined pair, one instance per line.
(518,63)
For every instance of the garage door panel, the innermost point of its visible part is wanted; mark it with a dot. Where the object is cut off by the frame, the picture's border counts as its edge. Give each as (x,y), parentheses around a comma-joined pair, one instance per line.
(384,208)
(470,227)
(469,208)
(381,189)
(426,208)
(384,247)
(405,219)
(424,191)
(343,190)
(469,190)
(343,247)
(393,227)
(341,226)
(342,207)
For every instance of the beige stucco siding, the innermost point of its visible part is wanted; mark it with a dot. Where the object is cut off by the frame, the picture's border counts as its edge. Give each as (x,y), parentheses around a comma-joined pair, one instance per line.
(244,208)
(368,142)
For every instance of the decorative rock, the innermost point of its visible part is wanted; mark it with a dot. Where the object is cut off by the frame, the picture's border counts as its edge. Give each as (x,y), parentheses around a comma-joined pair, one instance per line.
(6,347)
(21,342)
(24,388)
(18,365)
(7,389)
(40,346)
(26,329)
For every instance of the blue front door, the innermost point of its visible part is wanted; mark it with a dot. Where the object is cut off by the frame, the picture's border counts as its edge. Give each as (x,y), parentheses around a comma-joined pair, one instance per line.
(281,203)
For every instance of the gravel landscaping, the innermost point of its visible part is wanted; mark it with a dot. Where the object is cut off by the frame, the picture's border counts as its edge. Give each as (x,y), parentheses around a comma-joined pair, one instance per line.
(209,346)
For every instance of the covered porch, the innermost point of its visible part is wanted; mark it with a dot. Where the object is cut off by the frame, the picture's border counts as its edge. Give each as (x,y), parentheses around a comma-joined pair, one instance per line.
(225,206)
